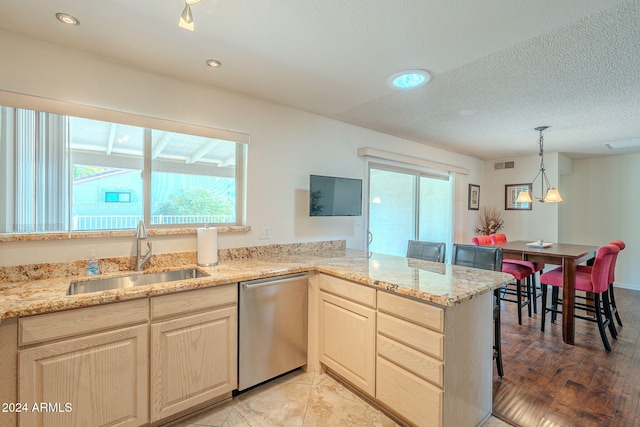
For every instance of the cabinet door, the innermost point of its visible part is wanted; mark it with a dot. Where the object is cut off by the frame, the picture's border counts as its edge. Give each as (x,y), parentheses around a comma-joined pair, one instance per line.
(193,360)
(347,340)
(97,380)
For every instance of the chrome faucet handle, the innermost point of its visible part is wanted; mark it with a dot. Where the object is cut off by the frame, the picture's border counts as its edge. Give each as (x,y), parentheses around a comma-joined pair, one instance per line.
(147,256)
(141,233)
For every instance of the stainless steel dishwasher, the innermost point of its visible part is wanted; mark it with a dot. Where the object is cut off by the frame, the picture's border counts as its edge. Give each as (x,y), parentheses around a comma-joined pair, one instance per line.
(272,328)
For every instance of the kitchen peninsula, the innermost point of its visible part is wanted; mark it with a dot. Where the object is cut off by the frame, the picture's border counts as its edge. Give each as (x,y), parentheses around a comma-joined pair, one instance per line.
(422,329)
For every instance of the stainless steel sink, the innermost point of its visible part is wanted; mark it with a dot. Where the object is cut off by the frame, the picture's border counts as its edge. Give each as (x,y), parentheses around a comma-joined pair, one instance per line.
(86,286)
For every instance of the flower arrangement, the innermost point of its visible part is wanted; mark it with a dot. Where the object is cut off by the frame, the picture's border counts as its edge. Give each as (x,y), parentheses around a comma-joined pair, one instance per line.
(490,221)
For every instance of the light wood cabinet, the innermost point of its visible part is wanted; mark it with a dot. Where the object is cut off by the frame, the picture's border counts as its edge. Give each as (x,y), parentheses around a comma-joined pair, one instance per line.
(347,330)
(95,379)
(410,368)
(432,361)
(193,349)
(8,369)
(97,366)
(149,361)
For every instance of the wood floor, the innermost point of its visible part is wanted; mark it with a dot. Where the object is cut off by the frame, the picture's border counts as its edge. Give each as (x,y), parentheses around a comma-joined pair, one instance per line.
(549,383)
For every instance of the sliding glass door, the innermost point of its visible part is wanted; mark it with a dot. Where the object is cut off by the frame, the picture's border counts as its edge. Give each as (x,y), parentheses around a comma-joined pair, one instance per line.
(392,210)
(405,205)
(435,212)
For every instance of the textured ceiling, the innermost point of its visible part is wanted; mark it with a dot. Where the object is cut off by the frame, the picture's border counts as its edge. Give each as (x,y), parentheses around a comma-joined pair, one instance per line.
(499,68)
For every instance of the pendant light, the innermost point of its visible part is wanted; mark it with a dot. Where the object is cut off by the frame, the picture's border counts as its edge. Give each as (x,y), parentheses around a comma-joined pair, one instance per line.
(551,194)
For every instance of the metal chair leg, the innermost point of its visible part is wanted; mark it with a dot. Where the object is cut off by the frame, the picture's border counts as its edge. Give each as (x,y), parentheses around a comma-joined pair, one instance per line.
(544,306)
(607,312)
(612,298)
(497,335)
(603,334)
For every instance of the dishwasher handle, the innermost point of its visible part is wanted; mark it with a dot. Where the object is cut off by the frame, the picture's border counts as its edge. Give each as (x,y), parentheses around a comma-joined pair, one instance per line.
(267,282)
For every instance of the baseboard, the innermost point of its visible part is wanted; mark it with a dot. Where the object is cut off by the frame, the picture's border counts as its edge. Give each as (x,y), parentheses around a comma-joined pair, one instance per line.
(627,286)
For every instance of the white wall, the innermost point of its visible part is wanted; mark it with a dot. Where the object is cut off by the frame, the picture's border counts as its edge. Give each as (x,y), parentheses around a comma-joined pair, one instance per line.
(465,220)
(602,204)
(286,146)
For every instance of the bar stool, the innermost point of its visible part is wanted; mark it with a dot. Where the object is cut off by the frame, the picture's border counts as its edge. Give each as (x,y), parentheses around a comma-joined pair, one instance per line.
(535,266)
(614,308)
(429,251)
(595,281)
(520,273)
(612,299)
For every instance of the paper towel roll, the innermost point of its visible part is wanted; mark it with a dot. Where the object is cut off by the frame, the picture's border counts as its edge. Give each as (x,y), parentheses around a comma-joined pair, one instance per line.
(207,246)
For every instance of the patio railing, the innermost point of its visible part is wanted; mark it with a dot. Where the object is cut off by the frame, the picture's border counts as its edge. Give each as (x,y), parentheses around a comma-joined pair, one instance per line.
(120,222)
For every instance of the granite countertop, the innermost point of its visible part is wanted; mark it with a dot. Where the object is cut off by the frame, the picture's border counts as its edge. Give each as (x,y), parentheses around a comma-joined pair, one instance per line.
(437,283)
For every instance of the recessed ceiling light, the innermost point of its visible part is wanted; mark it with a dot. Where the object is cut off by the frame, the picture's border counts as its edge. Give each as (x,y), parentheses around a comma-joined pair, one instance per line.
(214,63)
(410,79)
(65,18)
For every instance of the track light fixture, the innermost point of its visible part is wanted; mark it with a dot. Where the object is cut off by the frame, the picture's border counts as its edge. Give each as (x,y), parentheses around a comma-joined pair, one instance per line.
(186,18)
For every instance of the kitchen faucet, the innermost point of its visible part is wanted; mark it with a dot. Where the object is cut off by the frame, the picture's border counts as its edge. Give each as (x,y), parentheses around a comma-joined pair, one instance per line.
(141,234)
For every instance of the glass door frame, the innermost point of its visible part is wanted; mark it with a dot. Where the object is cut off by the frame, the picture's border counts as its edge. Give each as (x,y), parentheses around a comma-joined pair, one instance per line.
(413,170)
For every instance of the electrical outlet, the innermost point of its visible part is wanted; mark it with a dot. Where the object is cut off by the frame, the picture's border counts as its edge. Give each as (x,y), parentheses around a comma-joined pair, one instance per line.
(265,232)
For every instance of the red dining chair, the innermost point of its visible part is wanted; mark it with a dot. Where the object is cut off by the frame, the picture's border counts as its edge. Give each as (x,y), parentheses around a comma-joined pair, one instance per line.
(498,238)
(612,278)
(596,281)
(482,241)
(519,272)
(612,299)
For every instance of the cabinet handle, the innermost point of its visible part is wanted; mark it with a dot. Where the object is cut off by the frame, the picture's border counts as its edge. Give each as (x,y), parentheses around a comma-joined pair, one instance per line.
(250,285)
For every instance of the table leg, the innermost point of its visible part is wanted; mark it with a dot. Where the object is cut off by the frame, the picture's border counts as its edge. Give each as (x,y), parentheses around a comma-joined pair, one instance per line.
(589,301)
(590,294)
(568,299)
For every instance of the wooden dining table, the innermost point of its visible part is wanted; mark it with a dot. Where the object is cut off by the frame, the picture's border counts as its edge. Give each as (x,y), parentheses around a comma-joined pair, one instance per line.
(566,255)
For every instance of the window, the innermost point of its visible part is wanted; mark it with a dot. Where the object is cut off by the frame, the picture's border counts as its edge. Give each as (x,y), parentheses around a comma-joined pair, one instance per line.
(66,173)
(107,159)
(192,179)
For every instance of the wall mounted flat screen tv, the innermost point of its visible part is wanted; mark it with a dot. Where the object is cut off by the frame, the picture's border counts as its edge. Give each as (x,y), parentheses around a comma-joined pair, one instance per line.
(333,196)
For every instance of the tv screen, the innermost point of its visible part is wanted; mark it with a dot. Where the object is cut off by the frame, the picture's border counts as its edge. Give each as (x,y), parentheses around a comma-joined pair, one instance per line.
(333,196)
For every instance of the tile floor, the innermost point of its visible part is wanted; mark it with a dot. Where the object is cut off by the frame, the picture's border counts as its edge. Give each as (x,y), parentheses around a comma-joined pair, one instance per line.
(297,399)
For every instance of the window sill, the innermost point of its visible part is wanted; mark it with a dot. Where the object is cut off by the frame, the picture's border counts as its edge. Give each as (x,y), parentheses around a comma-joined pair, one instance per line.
(28,237)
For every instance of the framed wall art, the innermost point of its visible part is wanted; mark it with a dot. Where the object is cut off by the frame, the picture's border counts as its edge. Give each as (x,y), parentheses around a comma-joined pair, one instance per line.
(474,197)
(511,192)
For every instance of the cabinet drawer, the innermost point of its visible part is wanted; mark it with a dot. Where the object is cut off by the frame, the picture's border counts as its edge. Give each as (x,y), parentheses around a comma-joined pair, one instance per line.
(46,327)
(193,301)
(410,334)
(425,367)
(413,311)
(416,400)
(348,289)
